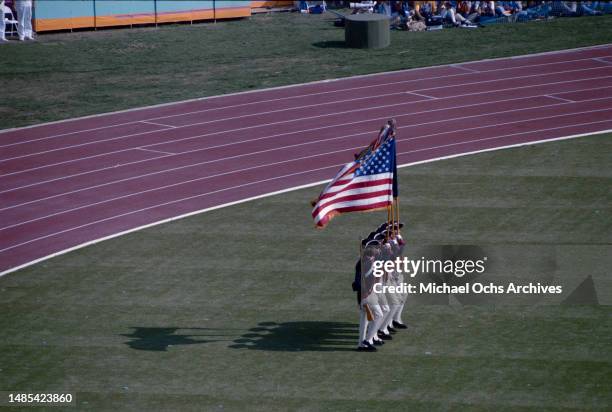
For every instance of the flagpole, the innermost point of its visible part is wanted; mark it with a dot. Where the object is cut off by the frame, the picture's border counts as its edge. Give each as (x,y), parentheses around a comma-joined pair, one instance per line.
(357,167)
(392,218)
(397,213)
(388,222)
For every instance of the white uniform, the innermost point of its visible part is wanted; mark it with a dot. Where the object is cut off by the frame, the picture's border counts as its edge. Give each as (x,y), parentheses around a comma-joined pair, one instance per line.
(2,22)
(373,307)
(395,300)
(368,328)
(24,16)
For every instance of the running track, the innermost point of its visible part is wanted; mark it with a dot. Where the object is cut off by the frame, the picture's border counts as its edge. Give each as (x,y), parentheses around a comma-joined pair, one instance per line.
(70,183)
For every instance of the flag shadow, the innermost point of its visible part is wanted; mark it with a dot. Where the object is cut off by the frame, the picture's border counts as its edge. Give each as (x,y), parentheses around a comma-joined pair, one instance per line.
(299,336)
(160,339)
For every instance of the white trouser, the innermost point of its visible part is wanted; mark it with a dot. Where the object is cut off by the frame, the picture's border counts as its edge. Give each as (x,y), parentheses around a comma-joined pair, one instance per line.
(363,325)
(388,319)
(373,326)
(369,329)
(397,316)
(24,16)
(2,25)
(393,300)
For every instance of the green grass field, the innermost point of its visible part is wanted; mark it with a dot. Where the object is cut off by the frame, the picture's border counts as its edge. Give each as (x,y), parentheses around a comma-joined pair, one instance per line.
(250,308)
(74,74)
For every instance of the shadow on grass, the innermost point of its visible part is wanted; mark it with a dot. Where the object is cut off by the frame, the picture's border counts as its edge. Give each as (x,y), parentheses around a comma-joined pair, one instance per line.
(159,339)
(300,336)
(330,44)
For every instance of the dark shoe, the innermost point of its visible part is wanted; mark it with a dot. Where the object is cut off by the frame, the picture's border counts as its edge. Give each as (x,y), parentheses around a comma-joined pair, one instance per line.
(366,347)
(391,330)
(384,336)
(398,325)
(379,342)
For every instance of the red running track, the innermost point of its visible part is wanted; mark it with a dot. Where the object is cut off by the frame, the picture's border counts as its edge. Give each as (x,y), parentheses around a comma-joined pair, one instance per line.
(70,183)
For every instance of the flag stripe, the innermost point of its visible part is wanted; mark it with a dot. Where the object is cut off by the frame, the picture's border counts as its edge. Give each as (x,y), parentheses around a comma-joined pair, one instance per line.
(372,207)
(361,179)
(352,187)
(352,197)
(385,199)
(364,184)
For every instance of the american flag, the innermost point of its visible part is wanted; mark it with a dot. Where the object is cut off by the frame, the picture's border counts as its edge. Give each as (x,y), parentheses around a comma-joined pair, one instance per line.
(362,185)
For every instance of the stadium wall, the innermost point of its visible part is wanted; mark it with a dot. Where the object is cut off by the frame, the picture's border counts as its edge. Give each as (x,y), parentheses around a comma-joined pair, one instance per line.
(77,14)
(278,3)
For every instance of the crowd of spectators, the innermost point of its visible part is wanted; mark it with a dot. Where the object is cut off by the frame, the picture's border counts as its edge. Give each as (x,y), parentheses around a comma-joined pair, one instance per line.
(421,15)
(408,15)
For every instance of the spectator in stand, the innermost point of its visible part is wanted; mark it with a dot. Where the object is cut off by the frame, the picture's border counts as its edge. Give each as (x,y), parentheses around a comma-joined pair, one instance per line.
(448,11)
(383,7)
(405,10)
(402,13)
(464,7)
(396,13)
(474,12)
(590,8)
(470,10)
(515,9)
(423,10)
(537,9)
(565,8)
(501,9)
(602,6)
(24,17)
(487,8)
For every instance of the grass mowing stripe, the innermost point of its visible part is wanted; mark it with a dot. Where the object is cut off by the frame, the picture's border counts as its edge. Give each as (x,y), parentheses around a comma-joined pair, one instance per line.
(249,307)
(92,72)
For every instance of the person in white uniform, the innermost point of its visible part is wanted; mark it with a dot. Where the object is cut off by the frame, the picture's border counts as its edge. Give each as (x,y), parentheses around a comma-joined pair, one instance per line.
(2,23)
(370,310)
(24,16)
(395,300)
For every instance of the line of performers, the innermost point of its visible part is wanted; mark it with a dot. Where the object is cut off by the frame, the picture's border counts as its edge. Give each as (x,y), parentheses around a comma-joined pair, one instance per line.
(380,314)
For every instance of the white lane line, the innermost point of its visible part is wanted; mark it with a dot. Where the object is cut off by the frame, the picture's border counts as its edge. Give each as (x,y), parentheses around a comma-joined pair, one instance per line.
(249,140)
(277,192)
(319,141)
(575,50)
(554,52)
(310,117)
(457,66)
(423,95)
(378,85)
(602,60)
(337,102)
(484,139)
(259,102)
(156,124)
(274,178)
(152,151)
(560,98)
(270,164)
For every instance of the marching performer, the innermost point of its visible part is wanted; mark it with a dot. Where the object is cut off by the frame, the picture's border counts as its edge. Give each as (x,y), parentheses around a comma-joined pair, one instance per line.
(371,312)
